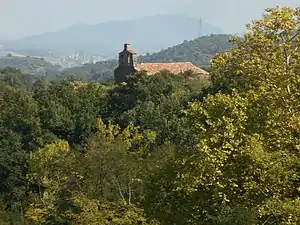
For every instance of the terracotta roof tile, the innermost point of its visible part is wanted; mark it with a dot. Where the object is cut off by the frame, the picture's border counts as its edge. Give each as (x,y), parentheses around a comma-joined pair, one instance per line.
(174,67)
(131,51)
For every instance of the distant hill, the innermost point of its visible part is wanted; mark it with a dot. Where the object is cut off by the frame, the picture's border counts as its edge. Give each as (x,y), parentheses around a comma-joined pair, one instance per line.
(198,51)
(30,65)
(149,34)
(6,52)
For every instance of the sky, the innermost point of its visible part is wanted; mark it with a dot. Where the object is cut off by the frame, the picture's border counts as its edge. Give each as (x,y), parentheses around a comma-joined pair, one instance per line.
(19,18)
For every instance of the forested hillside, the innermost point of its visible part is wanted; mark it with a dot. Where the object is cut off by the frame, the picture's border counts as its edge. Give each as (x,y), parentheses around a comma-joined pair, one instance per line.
(31,65)
(199,51)
(162,149)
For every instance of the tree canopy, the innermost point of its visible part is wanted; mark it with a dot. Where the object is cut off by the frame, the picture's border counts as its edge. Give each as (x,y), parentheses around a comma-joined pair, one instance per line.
(160,149)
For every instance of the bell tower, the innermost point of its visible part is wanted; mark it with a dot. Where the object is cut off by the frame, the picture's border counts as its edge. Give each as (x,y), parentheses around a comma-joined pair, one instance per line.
(126,63)
(127,57)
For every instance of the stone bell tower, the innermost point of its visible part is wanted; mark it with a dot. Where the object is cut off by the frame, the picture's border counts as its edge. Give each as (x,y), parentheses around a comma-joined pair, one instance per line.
(126,64)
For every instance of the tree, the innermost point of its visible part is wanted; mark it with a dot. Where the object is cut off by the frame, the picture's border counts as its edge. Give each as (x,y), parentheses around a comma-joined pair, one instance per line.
(103,186)
(20,134)
(114,160)
(50,168)
(154,102)
(245,163)
(68,110)
(267,55)
(117,165)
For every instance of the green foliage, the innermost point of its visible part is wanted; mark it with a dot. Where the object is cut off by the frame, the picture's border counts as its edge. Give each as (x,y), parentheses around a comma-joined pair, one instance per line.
(198,51)
(30,65)
(20,133)
(269,49)
(99,71)
(105,189)
(244,165)
(154,102)
(15,78)
(162,149)
(49,169)
(69,109)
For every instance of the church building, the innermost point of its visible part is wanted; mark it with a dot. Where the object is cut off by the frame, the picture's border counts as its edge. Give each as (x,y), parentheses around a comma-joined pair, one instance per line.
(128,65)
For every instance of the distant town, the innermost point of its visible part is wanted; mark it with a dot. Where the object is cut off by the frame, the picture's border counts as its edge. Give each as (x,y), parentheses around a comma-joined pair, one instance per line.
(75,59)
(65,61)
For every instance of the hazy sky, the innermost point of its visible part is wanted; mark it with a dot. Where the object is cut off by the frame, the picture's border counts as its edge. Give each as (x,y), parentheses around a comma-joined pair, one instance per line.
(26,17)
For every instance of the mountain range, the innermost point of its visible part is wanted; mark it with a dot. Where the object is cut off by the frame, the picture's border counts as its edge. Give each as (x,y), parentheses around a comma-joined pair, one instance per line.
(148,34)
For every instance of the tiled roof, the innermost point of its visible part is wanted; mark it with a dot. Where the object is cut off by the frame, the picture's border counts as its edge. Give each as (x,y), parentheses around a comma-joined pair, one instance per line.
(174,67)
(131,51)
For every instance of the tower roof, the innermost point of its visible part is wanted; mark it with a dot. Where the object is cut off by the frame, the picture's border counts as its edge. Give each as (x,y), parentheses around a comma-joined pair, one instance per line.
(128,49)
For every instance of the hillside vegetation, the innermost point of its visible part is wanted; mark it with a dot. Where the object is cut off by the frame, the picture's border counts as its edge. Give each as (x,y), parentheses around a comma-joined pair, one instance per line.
(198,51)
(162,149)
(30,65)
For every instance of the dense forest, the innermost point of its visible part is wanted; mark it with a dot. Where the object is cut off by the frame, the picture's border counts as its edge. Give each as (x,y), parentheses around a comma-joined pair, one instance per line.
(198,51)
(161,149)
